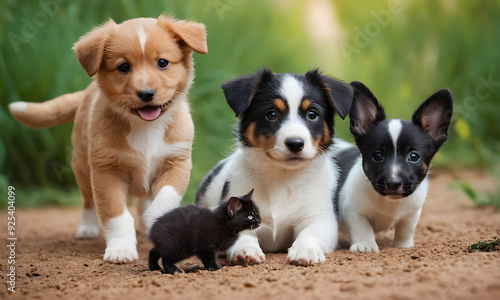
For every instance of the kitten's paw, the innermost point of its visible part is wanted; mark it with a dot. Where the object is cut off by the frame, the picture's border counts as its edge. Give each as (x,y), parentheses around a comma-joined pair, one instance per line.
(366,247)
(248,255)
(305,256)
(121,255)
(87,231)
(212,268)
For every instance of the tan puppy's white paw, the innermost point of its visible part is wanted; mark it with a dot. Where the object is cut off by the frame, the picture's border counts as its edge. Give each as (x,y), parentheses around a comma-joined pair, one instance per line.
(303,256)
(89,226)
(121,255)
(248,255)
(365,247)
(87,232)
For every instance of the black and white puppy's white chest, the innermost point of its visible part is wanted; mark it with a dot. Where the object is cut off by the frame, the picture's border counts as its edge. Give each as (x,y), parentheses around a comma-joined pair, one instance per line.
(384,180)
(285,129)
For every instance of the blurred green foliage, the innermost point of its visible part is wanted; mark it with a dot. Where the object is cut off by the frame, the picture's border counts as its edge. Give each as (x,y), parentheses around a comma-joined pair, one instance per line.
(402,50)
(477,197)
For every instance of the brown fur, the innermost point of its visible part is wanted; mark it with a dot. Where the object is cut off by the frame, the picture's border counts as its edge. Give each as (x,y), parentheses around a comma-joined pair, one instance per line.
(107,168)
(305,104)
(280,104)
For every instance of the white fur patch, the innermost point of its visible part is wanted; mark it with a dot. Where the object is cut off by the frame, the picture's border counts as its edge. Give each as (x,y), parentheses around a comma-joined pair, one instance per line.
(294,126)
(90,225)
(148,138)
(166,200)
(395,127)
(293,91)
(18,106)
(142,37)
(120,239)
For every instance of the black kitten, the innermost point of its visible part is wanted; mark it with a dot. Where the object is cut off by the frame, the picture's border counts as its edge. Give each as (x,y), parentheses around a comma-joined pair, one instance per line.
(191,230)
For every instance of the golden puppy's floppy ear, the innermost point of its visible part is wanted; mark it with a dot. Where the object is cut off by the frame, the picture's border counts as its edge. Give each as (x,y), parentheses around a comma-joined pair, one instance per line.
(192,33)
(90,48)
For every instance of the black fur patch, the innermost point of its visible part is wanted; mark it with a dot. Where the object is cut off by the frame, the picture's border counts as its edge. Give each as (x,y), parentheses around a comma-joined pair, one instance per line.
(202,188)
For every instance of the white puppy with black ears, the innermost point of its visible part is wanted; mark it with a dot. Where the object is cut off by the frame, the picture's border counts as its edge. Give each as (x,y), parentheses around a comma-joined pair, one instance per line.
(284,133)
(384,180)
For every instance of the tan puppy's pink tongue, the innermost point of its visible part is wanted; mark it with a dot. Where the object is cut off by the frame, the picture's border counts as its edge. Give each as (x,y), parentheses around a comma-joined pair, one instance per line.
(149,113)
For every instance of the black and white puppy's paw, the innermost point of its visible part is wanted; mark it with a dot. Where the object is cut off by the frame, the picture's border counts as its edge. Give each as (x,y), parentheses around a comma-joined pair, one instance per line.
(384,180)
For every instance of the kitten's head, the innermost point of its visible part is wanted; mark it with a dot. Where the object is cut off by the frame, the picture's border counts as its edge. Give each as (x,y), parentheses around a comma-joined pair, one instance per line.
(242,213)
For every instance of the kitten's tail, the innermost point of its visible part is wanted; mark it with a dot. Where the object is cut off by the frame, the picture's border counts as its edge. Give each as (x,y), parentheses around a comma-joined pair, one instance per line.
(154,256)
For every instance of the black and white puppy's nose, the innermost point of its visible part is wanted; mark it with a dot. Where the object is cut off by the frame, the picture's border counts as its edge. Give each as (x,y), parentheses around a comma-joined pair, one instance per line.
(294,144)
(146,95)
(393,184)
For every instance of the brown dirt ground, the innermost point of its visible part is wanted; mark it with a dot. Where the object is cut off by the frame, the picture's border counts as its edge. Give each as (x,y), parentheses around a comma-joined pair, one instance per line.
(51,264)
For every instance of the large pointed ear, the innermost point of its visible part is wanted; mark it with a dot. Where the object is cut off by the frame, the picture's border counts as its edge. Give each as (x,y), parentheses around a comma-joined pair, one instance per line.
(239,92)
(233,206)
(434,116)
(90,48)
(365,111)
(192,33)
(339,93)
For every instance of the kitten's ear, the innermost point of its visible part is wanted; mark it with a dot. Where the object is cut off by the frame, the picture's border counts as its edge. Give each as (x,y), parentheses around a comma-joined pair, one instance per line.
(233,206)
(239,92)
(365,111)
(249,195)
(434,116)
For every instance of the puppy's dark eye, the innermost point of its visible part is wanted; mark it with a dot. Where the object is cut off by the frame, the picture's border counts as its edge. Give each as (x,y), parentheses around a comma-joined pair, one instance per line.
(124,68)
(272,115)
(163,64)
(377,156)
(413,157)
(312,115)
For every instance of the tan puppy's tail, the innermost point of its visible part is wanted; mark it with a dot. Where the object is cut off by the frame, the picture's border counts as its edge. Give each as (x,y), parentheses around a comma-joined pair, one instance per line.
(50,113)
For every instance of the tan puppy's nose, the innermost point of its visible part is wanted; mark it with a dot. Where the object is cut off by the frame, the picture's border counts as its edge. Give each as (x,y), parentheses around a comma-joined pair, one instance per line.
(146,95)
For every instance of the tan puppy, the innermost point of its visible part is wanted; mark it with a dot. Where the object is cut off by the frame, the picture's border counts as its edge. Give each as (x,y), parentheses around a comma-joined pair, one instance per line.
(133,131)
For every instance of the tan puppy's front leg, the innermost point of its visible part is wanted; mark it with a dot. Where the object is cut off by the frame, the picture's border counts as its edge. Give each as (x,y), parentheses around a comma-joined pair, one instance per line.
(168,189)
(110,195)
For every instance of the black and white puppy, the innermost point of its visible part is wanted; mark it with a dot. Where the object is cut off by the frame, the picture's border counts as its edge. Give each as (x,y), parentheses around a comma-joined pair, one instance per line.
(384,180)
(285,130)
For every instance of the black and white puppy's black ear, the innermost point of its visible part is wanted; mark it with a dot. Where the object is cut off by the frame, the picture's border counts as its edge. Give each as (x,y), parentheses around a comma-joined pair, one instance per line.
(366,111)
(339,93)
(434,116)
(239,92)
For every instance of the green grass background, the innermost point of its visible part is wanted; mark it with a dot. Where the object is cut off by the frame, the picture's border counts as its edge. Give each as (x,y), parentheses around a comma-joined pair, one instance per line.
(402,50)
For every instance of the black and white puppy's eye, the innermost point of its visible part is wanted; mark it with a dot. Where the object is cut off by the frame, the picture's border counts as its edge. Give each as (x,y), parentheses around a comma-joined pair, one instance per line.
(312,114)
(272,115)
(250,217)
(413,157)
(163,64)
(377,156)
(124,68)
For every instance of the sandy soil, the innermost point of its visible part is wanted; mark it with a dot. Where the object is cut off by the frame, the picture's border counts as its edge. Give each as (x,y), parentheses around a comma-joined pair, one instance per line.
(51,264)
